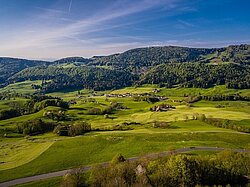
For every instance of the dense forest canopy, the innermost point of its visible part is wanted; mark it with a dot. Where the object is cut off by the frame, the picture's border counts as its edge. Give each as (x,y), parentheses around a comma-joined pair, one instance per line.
(198,75)
(143,58)
(151,56)
(76,77)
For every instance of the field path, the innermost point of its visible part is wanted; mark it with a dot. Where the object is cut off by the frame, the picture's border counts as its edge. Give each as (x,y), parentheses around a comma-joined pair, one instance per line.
(86,168)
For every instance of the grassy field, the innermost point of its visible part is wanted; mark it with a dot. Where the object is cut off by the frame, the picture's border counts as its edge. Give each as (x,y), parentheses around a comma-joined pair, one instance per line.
(25,156)
(9,123)
(19,152)
(6,104)
(21,87)
(53,182)
(181,91)
(139,111)
(100,147)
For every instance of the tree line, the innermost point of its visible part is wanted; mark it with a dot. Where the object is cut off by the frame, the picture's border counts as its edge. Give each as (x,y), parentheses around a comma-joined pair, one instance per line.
(222,123)
(225,169)
(218,97)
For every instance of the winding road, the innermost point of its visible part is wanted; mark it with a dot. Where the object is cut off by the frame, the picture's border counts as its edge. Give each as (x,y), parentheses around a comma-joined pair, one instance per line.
(86,168)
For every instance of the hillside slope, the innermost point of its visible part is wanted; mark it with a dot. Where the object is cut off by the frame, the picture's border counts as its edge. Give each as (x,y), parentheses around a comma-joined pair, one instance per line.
(10,66)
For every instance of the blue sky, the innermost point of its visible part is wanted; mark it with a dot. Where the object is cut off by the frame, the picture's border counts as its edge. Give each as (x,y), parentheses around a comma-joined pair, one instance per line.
(43,29)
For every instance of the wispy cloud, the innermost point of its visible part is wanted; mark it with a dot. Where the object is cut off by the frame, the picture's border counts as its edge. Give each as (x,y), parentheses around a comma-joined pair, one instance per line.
(70,5)
(54,36)
(56,31)
(185,23)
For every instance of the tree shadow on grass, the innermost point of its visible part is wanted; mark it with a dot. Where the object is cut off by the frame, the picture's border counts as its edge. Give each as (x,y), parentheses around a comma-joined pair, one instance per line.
(173,127)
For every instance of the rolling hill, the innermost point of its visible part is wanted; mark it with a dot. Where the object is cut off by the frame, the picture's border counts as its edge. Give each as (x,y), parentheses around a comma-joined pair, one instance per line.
(168,65)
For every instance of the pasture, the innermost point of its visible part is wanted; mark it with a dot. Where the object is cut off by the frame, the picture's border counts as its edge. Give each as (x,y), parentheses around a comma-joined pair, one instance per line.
(94,148)
(48,152)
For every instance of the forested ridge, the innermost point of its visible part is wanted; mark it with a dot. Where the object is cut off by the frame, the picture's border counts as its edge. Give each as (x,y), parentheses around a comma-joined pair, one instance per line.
(151,56)
(141,58)
(76,77)
(10,66)
(167,66)
(198,75)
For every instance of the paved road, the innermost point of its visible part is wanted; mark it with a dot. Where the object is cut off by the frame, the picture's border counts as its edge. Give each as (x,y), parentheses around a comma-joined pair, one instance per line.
(86,168)
(174,131)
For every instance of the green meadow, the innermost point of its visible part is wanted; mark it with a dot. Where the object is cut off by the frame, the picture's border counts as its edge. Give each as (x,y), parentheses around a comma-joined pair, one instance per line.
(96,148)
(22,156)
(21,87)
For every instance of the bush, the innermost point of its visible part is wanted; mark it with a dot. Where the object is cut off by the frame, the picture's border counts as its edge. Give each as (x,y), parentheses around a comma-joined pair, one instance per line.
(161,124)
(118,159)
(95,111)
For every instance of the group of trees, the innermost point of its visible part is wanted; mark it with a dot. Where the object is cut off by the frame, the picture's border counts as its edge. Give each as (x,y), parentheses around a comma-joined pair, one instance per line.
(34,127)
(50,102)
(39,126)
(78,128)
(58,115)
(10,94)
(149,99)
(225,168)
(198,75)
(34,103)
(228,124)
(222,123)
(9,113)
(218,97)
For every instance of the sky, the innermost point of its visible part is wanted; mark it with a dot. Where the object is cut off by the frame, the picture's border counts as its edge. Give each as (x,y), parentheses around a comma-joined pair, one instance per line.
(52,29)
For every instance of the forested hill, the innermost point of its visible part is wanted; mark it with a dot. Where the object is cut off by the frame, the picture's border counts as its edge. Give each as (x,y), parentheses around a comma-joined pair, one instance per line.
(10,66)
(152,56)
(141,59)
(198,75)
(76,77)
(168,66)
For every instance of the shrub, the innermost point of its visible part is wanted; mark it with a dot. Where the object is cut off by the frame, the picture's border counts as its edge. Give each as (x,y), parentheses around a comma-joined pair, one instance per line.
(94,111)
